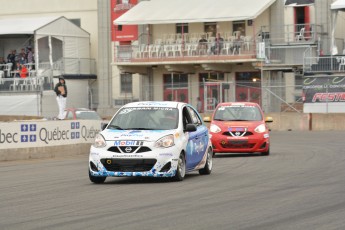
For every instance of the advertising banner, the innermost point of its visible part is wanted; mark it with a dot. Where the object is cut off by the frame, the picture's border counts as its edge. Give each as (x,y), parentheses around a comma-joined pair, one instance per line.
(125,32)
(324,89)
(26,134)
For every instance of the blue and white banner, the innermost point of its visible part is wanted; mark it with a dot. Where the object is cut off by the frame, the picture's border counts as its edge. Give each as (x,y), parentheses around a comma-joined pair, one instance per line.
(27,134)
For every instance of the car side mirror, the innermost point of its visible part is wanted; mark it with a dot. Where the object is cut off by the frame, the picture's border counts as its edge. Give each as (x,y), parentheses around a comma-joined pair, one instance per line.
(269,119)
(190,128)
(104,125)
(207,119)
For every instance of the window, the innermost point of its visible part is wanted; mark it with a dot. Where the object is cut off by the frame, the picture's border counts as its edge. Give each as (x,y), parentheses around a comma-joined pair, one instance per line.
(196,120)
(239,26)
(126,83)
(180,26)
(210,28)
(175,80)
(211,77)
(76,21)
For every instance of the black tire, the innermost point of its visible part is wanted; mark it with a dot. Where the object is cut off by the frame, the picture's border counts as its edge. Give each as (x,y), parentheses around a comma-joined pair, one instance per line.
(266,153)
(181,168)
(97,179)
(208,166)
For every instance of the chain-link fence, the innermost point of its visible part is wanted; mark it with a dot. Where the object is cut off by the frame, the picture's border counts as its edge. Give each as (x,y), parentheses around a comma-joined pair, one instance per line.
(277,97)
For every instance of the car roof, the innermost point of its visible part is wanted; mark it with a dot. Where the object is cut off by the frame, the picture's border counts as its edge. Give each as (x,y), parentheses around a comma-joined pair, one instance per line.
(238,103)
(80,109)
(168,104)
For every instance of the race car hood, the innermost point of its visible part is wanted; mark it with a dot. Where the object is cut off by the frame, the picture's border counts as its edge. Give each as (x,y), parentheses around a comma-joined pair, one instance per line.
(249,125)
(135,135)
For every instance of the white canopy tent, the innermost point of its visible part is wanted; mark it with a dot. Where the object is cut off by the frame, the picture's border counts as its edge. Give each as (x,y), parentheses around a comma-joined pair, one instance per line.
(182,11)
(53,38)
(336,6)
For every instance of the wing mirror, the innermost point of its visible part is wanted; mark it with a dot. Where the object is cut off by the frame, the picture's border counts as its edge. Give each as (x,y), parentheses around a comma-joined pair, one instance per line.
(207,119)
(190,128)
(269,119)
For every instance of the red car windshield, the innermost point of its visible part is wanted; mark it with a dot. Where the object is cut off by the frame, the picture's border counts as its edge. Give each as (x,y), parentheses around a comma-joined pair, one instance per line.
(238,113)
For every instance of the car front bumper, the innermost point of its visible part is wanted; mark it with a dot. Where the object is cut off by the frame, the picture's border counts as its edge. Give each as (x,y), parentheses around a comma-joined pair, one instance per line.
(154,163)
(248,144)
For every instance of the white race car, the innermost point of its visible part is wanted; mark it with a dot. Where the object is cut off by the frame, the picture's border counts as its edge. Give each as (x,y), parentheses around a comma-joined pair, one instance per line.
(153,139)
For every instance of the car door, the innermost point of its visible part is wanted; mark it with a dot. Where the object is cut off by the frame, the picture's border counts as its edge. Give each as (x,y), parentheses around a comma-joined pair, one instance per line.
(198,140)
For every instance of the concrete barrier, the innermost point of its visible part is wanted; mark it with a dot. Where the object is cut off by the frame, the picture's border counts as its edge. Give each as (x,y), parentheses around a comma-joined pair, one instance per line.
(305,121)
(34,139)
(44,152)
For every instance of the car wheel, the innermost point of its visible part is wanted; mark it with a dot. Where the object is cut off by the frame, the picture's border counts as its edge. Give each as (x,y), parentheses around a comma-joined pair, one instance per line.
(96,179)
(208,166)
(266,153)
(181,168)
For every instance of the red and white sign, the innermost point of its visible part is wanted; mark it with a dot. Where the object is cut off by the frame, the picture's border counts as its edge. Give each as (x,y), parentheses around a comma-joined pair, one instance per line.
(122,33)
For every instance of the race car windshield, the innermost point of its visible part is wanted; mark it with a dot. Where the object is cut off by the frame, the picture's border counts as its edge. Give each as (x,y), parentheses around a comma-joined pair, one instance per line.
(146,118)
(238,113)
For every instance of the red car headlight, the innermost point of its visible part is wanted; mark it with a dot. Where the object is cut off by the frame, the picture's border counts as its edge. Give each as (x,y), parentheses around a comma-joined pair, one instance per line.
(260,129)
(214,129)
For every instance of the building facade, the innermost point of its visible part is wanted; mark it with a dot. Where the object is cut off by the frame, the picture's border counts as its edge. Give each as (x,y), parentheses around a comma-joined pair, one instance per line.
(256,52)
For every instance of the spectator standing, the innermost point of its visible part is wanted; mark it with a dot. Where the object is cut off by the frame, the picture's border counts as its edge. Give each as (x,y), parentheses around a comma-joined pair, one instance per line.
(22,57)
(199,105)
(30,55)
(61,96)
(11,59)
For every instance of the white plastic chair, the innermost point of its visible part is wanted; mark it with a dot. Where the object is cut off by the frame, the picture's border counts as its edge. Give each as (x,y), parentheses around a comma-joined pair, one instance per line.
(155,52)
(8,69)
(15,84)
(2,74)
(300,35)
(246,42)
(341,61)
(226,48)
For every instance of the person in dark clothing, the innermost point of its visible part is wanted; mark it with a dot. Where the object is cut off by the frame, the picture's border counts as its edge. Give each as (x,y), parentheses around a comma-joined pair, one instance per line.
(61,96)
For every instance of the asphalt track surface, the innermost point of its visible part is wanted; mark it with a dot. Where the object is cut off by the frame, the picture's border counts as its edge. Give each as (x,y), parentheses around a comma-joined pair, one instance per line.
(301,185)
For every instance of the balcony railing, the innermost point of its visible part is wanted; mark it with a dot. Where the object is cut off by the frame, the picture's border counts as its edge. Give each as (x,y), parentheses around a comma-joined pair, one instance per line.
(324,64)
(70,66)
(42,78)
(296,34)
(226,50)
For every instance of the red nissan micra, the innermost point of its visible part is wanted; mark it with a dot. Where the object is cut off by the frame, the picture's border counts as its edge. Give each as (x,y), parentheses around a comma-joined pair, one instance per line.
(239,127)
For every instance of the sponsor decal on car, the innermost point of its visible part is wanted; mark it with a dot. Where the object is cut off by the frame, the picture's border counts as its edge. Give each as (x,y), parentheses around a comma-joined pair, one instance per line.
(128,143)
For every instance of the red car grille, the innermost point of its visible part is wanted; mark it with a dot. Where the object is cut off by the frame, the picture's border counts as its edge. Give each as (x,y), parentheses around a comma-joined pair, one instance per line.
(240,134)
(237,145)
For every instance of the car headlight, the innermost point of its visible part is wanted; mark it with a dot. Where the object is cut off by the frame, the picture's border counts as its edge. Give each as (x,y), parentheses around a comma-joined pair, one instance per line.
(215,129)
(165,142)
(260,129)
(99,141)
